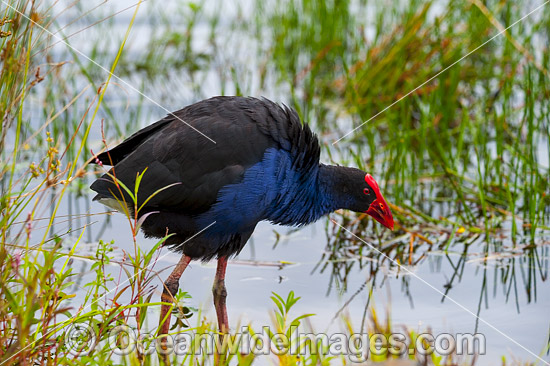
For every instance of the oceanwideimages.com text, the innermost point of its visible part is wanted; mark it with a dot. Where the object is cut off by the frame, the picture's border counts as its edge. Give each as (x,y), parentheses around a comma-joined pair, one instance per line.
(358,347)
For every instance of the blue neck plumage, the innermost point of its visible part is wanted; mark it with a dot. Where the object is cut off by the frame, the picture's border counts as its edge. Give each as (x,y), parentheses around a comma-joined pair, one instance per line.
(276,190)
(304,198)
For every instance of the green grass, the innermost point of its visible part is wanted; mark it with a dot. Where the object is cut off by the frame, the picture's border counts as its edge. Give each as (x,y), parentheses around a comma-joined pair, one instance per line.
(473,136)
(461,158)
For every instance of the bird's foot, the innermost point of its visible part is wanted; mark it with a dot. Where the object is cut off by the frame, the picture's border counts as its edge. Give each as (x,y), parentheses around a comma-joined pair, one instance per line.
(220,294)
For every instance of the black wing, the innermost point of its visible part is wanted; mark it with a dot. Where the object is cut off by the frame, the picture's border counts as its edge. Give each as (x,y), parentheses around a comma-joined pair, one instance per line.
(169,152)
(116,154)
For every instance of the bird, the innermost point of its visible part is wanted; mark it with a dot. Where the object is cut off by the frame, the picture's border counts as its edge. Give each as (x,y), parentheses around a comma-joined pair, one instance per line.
(210,172)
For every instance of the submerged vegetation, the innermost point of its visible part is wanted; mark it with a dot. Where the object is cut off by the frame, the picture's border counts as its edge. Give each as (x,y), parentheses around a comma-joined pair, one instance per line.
(424,94)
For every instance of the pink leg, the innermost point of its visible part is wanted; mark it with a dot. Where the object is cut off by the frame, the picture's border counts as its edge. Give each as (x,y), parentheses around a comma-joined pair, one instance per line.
(220,293)
(171,286)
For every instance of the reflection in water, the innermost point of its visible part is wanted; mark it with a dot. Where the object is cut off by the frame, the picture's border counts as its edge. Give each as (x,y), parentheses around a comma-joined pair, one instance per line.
(505,268)
(502,272)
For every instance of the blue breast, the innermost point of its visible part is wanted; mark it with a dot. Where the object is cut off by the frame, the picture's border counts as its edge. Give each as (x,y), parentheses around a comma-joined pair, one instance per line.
(270,190)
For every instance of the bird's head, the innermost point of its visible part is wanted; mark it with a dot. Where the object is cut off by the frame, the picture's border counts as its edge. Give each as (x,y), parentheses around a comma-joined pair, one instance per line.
(359,192)
(353,189)
(378,207)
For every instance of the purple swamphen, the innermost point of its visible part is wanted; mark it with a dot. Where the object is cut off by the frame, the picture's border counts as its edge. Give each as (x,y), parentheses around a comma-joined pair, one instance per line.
(264,165)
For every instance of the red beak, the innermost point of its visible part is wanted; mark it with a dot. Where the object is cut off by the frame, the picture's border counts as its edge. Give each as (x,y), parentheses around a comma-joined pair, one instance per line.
(382,215)
(379,208)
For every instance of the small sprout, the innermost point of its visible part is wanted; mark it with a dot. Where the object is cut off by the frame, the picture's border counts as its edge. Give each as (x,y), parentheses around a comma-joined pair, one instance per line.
(35,170)
(49,138)
(96,160)
(3,21)
(16,262)
(28,226)
(52,151)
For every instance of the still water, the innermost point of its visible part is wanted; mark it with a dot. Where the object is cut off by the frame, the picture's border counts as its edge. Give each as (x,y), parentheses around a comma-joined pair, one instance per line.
(513,314)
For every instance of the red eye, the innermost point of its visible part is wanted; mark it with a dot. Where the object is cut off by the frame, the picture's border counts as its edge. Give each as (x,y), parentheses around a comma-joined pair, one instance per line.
(366,191)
